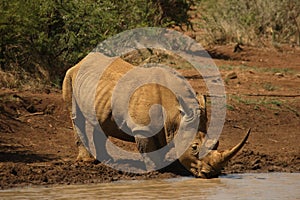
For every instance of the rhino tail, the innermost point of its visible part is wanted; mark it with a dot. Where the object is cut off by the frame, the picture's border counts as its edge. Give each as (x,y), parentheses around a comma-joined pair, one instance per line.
(67,87)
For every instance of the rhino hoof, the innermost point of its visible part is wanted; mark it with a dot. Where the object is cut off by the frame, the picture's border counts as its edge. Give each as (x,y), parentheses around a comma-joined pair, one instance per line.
(84,155)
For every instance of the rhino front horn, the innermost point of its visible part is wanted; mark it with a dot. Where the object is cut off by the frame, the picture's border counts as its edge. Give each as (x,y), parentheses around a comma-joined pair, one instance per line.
(228,154)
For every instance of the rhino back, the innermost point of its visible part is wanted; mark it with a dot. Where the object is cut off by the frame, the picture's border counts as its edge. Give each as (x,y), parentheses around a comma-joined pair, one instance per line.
(140,102)
(155,94)
(109,78)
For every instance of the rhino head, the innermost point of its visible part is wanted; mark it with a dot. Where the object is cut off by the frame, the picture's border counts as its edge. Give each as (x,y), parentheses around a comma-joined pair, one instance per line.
(211,165)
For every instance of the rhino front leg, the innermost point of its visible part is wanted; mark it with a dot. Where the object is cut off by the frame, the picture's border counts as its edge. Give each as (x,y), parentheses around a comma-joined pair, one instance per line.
(147,146)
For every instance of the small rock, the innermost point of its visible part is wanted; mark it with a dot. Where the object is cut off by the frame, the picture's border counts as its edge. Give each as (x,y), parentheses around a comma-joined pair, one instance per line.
(274,168)
(298,75)
(231,75)
(14,172)
(256,167)
(255,162)
(278,74)
(47,91)
(237,48)
(45,180)
(115,178)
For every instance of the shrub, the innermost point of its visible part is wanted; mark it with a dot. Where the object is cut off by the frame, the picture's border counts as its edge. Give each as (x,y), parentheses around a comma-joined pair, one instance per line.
(41,39)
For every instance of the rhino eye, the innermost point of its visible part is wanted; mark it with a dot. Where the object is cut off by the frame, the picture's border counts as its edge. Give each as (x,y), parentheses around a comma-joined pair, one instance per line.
(195,149)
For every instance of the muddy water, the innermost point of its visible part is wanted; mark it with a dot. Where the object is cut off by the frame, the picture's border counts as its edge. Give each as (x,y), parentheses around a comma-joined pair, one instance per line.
(239,186)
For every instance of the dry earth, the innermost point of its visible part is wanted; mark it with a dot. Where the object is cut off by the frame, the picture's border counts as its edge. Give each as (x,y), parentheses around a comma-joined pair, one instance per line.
(263,92)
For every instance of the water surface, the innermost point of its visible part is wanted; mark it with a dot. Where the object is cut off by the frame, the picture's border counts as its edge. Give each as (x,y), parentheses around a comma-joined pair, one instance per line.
(237,186)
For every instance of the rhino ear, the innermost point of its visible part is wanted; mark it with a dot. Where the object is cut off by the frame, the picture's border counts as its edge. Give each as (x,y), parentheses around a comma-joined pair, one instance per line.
(202,100)
(183,107)
(203,113)
(180,109)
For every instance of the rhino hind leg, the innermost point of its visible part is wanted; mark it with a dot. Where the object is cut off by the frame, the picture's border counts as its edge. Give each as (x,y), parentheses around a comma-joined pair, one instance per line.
(84,155)
(91,148)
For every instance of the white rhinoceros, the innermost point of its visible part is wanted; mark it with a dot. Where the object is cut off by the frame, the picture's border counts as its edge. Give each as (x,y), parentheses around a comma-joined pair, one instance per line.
(89,87)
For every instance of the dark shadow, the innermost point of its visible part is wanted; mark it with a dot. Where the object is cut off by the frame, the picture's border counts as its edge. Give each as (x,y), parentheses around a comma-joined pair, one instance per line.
(176,168)
(209,53)
(196,76)
(135,165)
(217,55)
(25,157)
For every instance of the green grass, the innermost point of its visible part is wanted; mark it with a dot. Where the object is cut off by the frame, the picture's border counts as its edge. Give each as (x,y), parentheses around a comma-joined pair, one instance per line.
(230,107)
(257,69)
(269,86)
(271,103)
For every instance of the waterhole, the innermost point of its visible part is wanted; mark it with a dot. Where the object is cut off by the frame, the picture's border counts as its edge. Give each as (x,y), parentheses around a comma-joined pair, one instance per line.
(236,186)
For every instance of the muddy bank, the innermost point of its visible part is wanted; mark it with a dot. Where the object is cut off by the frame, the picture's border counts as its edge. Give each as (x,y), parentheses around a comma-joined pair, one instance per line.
(36,137)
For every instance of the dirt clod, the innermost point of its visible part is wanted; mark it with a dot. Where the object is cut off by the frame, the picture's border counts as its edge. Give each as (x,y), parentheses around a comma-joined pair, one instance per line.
(231,75)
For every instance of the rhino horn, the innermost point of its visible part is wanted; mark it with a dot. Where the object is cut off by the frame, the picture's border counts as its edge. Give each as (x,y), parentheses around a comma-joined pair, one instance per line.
(228,154)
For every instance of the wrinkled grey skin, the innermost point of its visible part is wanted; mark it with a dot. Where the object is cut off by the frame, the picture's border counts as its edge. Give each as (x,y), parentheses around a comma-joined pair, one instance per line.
(208,167)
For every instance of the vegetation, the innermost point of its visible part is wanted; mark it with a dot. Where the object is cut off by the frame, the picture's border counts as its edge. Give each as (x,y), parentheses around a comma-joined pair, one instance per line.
(41,39)
(276,104)
(257,69)
(251,22)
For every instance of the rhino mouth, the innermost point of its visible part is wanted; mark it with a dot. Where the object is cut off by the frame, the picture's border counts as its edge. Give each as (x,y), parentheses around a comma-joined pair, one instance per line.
(207,174)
